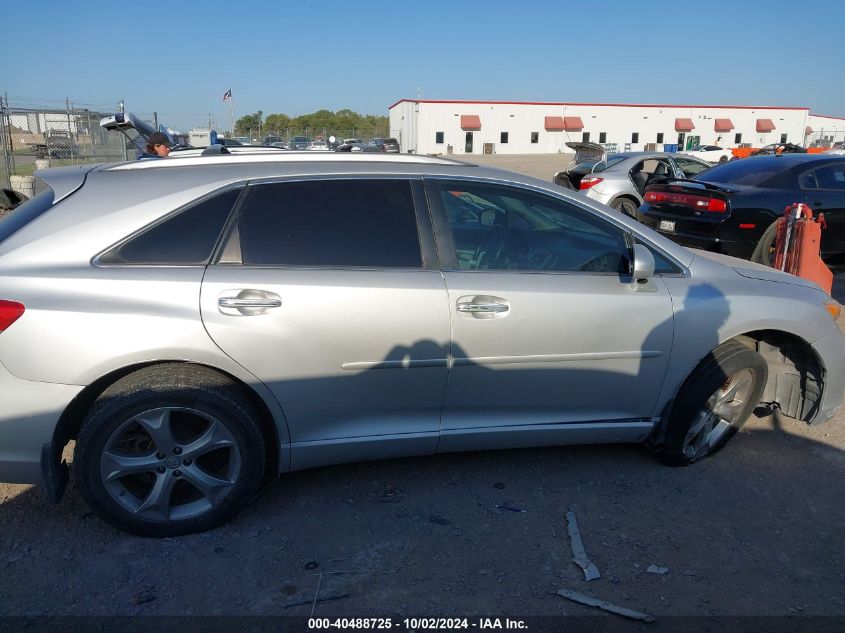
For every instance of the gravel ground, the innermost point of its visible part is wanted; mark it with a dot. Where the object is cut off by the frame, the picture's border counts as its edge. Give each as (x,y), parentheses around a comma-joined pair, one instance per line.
(756,530)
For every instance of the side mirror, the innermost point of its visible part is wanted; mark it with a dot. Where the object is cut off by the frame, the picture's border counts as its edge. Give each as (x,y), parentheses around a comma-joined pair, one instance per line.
(643,268)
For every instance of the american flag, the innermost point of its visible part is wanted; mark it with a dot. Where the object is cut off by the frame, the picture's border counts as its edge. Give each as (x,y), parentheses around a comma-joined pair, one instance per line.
(227,95)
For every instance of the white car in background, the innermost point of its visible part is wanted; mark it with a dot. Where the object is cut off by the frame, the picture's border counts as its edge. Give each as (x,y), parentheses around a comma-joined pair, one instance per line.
(318,146)
(710,153)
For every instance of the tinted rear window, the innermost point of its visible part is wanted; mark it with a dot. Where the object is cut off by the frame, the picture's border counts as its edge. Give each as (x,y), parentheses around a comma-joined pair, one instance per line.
(25,213)
(367,223)
(390,140)
(747,171)
(184,239)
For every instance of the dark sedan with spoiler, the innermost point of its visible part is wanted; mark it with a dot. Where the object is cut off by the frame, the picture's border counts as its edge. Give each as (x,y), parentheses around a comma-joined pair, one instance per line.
(732,208)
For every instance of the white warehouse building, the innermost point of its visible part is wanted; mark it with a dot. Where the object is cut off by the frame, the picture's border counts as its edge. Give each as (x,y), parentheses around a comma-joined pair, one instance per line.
(509,127)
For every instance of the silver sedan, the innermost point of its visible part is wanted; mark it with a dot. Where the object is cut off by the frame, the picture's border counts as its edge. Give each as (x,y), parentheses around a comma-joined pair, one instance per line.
(619,180)
(201,325)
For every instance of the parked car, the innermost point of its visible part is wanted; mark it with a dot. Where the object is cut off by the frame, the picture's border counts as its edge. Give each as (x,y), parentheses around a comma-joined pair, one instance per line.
(229,142)
(358,147)
(710,153)
(299,143)
(280,145)
(732,208)
(837,148)
(376,141)
(391,146)
(779,148)
(352,141)
(618,180)
(271,140)
(195,342)
(319,146)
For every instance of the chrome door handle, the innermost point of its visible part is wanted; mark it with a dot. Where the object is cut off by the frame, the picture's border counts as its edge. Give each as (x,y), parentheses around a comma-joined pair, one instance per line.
(482,307)
(236,302)
(247,302)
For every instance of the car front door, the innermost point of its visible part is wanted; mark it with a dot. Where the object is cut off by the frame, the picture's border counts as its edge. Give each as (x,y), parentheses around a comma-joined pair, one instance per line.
(325,290)
(550,339)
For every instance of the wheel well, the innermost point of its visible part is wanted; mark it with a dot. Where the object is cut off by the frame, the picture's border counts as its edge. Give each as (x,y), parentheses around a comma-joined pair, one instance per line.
(796,373)
(71,419)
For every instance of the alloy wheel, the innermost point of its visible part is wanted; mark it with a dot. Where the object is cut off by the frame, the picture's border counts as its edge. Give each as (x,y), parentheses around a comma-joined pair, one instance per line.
(719,413)
(170,463)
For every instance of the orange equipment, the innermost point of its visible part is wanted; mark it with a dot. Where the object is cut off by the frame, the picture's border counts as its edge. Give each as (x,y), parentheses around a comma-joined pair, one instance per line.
(797,245)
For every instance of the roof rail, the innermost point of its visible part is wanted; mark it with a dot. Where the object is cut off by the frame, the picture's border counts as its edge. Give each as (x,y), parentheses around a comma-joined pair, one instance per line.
(282,157)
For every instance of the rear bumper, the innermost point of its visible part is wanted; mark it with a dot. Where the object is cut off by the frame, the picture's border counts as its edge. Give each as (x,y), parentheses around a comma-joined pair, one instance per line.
(29,412)
(706,235)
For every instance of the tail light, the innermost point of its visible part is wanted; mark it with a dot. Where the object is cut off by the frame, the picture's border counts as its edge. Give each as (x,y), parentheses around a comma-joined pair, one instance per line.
(589,181)
(699,203)
(10,311)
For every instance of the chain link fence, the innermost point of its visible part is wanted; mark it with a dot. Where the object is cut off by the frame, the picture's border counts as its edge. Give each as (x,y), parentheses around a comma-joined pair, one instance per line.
(39,135)
(287,135)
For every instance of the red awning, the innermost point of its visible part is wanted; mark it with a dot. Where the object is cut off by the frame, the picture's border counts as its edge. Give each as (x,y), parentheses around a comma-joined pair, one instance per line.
(684,125)
(723,125)
(808,130)
(555,123)
(572,123)
(470,122)
(765,125)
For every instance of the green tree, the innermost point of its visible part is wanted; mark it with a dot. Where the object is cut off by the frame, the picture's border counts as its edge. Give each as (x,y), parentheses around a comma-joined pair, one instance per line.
(250,122)
(277,122)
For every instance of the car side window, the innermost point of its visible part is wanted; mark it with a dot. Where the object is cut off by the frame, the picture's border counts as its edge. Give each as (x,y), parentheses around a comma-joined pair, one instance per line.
(336,223)
(690,167)
(496,227)
(185,238)
(830,177)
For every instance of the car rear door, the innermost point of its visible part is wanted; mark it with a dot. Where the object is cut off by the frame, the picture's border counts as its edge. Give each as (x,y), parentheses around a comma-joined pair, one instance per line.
(550,341)
(824,187)
(327,291)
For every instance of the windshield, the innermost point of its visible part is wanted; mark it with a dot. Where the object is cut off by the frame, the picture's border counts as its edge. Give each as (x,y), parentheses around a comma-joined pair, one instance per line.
(749,171)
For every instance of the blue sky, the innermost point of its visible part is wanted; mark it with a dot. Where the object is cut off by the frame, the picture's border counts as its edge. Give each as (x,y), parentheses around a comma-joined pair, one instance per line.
(297,56)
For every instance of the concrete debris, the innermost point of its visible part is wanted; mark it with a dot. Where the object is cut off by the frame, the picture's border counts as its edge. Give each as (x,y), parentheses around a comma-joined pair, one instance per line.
(579,554)
(604,605)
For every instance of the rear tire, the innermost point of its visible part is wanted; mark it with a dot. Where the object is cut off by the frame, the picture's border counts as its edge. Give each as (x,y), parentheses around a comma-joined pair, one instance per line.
(170,450)
(764,252)
(626,206)
(714,403)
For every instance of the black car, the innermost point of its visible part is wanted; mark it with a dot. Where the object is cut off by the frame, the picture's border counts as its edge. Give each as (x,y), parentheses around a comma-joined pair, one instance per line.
(779,148)
(732,208)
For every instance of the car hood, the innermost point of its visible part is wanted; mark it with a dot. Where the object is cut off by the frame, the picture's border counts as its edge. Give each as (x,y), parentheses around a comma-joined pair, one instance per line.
(754,271)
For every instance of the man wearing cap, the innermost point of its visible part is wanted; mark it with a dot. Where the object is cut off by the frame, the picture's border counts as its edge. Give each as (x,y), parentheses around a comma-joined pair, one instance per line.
(158,145)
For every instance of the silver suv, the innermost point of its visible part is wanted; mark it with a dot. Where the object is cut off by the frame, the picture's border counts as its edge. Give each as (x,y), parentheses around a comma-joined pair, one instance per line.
(200,325)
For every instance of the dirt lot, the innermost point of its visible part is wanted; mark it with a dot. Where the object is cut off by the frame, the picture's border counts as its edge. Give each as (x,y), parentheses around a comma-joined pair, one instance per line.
(756,530)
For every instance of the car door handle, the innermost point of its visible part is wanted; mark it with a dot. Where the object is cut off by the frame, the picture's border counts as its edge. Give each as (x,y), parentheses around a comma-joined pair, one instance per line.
(482,307)
(234,302)
(247,302)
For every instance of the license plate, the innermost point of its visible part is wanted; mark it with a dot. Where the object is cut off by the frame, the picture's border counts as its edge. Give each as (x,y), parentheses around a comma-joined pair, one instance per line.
(667,225)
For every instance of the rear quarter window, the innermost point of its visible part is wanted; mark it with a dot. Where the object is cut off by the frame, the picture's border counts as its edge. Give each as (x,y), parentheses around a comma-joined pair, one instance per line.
(185,238)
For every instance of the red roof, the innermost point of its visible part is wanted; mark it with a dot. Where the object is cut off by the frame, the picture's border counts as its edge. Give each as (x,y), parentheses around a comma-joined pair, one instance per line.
(470,122)
(555,123)
(808,130)
(723,125)
(573,123)
(684,125)
(765,125)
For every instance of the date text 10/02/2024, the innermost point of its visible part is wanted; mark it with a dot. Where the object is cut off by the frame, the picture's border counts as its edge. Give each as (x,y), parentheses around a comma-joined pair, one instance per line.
(416,624)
